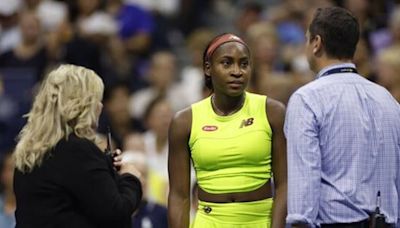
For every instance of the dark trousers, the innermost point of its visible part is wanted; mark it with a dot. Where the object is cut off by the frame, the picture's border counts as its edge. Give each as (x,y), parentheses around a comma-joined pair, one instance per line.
(362,224)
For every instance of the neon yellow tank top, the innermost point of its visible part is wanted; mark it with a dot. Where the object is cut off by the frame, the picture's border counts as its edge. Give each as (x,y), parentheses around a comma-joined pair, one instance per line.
(231,153)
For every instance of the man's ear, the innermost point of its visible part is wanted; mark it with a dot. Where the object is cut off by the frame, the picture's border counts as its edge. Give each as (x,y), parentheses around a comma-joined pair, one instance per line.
(317,45)
(207,68)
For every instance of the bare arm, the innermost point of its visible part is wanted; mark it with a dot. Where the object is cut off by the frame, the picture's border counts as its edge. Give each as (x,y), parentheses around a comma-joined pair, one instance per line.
(179,170)
(276,115)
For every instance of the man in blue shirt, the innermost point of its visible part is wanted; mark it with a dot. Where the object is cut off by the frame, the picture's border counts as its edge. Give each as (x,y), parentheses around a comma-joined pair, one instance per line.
(343,135)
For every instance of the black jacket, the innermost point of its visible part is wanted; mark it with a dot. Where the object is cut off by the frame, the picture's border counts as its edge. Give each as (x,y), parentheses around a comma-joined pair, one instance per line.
(76,186)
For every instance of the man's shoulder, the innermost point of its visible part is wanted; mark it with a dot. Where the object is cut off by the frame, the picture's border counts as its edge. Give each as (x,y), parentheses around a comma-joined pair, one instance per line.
(309,95)
(307,89)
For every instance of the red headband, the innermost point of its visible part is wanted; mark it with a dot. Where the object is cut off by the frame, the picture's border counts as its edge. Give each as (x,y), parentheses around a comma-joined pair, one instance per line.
(221,40)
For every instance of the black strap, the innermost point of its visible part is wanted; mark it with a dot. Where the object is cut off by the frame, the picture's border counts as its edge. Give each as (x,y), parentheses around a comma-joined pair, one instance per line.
(340,70)
(361,224)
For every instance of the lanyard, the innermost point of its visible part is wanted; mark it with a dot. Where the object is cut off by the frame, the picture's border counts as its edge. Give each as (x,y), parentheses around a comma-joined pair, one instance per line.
(340,70)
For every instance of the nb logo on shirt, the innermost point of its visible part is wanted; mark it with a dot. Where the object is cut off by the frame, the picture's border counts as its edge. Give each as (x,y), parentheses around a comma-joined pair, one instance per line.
(246,122)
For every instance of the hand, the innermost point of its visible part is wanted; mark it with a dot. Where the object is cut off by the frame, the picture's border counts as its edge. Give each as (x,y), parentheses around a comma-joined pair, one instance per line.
(126,163)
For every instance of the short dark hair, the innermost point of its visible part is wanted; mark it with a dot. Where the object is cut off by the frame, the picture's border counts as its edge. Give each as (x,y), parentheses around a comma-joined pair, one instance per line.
(339,31)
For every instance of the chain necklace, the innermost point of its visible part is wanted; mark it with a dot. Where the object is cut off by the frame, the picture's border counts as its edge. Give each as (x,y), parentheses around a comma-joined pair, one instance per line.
(239,106)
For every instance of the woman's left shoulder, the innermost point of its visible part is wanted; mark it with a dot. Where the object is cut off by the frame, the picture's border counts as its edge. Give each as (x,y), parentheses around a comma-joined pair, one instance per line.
(275,105)
(275,111)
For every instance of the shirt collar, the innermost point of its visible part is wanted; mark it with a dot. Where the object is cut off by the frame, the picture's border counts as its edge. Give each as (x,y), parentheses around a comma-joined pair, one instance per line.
(333,66)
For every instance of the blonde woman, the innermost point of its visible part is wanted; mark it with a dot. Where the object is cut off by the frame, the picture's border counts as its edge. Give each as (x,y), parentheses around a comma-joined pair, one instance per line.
(62,178)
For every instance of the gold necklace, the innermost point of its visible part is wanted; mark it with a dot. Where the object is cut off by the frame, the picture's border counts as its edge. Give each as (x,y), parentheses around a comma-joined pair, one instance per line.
(239,106)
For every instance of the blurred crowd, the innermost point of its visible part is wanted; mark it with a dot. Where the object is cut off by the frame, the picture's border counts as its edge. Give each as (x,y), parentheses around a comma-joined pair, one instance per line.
(149,55)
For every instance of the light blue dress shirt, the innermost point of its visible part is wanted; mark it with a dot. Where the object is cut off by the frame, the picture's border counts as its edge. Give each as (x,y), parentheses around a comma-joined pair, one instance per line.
(343,145)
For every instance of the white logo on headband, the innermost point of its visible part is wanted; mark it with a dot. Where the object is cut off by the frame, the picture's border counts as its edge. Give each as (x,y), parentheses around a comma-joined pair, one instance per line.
(233,37)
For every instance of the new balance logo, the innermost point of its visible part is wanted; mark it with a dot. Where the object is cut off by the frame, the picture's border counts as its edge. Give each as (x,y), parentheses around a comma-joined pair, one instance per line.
(247,122)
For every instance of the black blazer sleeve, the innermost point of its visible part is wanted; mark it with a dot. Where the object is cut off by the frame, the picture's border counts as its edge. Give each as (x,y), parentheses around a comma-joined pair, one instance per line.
(99,194)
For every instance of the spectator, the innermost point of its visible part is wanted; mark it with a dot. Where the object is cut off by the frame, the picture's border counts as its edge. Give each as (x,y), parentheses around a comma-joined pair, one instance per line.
(9,33)
(30,53)
(116,115)
(149,214)
(162,76)
(388,68)
(157,117)
(192,74)
(9,112)
(135,25)
(7,197)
